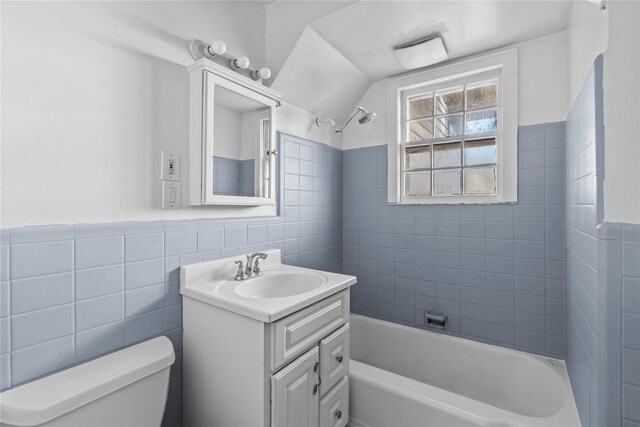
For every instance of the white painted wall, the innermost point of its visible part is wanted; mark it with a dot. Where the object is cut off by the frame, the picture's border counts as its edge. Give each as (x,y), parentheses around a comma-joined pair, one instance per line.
(587,37)
(298,122)
(250,134)
(615,34)
(227,133)
(542,97)
(93,91)
(542,80)
(622,114)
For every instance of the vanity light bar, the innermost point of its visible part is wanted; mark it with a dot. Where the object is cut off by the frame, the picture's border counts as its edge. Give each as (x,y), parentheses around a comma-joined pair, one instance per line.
(217,49)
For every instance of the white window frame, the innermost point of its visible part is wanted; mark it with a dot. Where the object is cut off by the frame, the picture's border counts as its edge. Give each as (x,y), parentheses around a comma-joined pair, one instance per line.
(502,65)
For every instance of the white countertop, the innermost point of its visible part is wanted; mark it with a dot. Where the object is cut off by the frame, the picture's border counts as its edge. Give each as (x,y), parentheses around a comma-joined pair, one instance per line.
(213,282)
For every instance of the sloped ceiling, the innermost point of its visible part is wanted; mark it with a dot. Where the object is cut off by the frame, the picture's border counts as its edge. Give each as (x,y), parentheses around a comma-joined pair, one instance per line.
(320,79)
(285,22)
(305,40)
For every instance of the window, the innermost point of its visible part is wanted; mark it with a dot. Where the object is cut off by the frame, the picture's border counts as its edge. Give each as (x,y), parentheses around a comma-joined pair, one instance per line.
(455,134)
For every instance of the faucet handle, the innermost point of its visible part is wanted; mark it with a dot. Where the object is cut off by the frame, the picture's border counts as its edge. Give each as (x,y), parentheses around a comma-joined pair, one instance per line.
(240,273)
(256,268)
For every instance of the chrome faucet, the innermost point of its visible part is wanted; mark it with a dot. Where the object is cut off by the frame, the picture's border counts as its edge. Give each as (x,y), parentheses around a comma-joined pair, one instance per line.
(252,268)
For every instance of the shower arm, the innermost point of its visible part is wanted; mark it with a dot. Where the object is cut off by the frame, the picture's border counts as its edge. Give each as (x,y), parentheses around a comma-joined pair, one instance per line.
(357,110)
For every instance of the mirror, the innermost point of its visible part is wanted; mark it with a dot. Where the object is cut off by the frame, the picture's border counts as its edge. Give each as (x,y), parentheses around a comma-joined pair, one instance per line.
(232,138)
(241,140)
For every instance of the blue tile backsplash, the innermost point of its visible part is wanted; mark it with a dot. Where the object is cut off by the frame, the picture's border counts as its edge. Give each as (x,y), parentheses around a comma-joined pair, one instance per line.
(496,271)
(72,293)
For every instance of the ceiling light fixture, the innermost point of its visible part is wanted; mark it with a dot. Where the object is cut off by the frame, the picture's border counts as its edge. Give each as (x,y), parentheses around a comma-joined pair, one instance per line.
(421,53)
(240,63)
(218,47)
(262,74)
(215,52)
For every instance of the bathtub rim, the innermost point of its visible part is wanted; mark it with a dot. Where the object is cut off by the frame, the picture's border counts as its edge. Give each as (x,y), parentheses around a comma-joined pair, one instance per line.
(568,409)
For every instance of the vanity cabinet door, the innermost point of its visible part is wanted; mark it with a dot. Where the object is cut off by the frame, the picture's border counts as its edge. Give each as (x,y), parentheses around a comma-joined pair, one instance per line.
(334,358)
(295,393)
(334,407)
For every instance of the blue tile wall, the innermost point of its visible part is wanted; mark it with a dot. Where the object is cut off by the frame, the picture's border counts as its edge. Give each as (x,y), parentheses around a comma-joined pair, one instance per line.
(73,293)
(247,173)
(603,280)
(496,271)
(233,177)
(630,368)
(582,264)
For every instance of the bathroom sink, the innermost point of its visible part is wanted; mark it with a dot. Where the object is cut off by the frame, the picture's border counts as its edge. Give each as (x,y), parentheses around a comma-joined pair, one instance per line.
(280,291)
(279,284)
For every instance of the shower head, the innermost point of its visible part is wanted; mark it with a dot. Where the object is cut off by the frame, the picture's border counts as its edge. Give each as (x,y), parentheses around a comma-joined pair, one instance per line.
(367,117)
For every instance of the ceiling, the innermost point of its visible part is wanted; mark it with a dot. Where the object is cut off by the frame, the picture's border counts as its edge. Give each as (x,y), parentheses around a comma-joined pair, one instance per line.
(364,33)
(367,31)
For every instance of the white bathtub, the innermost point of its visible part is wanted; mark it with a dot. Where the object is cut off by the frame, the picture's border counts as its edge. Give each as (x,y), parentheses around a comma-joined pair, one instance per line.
(402,376)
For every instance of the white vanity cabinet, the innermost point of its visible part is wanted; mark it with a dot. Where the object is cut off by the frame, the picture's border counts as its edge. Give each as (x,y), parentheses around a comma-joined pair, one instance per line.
(294,392)
(321,372)
(291,372)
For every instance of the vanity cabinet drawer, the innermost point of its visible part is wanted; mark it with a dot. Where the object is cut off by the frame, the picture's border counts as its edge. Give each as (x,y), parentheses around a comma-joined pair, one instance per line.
(334,407)
(334,358)
(295,333)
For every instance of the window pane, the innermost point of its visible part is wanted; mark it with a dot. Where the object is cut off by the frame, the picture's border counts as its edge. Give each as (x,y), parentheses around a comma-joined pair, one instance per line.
(482,121)
(417,157)
(421,107)
(480,181)
(450,100)
(480,152)
(447,155)
(449,126)
(420,129)
(446,182)
(482,95)
(417,183)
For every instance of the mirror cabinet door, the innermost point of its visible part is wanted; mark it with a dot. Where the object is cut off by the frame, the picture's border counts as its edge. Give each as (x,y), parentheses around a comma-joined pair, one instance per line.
(232,138)
(241,142)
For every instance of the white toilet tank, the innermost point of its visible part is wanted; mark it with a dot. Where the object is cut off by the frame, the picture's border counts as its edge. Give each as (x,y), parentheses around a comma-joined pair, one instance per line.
(125,388)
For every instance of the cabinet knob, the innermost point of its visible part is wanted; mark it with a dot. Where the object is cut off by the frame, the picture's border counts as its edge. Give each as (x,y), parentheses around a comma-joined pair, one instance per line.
(339,358)
(338,414)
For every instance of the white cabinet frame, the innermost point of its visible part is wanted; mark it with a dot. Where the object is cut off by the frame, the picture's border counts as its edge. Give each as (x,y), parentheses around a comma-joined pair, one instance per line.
(204,77)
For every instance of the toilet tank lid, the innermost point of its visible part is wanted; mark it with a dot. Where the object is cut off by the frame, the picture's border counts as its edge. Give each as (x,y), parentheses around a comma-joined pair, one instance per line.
(48,398)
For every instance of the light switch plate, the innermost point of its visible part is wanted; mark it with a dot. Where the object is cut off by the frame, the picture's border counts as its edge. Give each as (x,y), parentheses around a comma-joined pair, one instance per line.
(170,195)
(170,166)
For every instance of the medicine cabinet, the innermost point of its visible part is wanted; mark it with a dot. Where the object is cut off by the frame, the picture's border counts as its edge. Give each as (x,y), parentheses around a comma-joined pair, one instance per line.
(231,138)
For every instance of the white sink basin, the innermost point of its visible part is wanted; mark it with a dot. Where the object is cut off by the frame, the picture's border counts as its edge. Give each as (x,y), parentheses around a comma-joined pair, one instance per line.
(280,291)
(279,284)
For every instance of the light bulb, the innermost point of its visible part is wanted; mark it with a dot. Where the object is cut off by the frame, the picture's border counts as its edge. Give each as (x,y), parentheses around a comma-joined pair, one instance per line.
(240,63)
(218,47)
(262,74)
